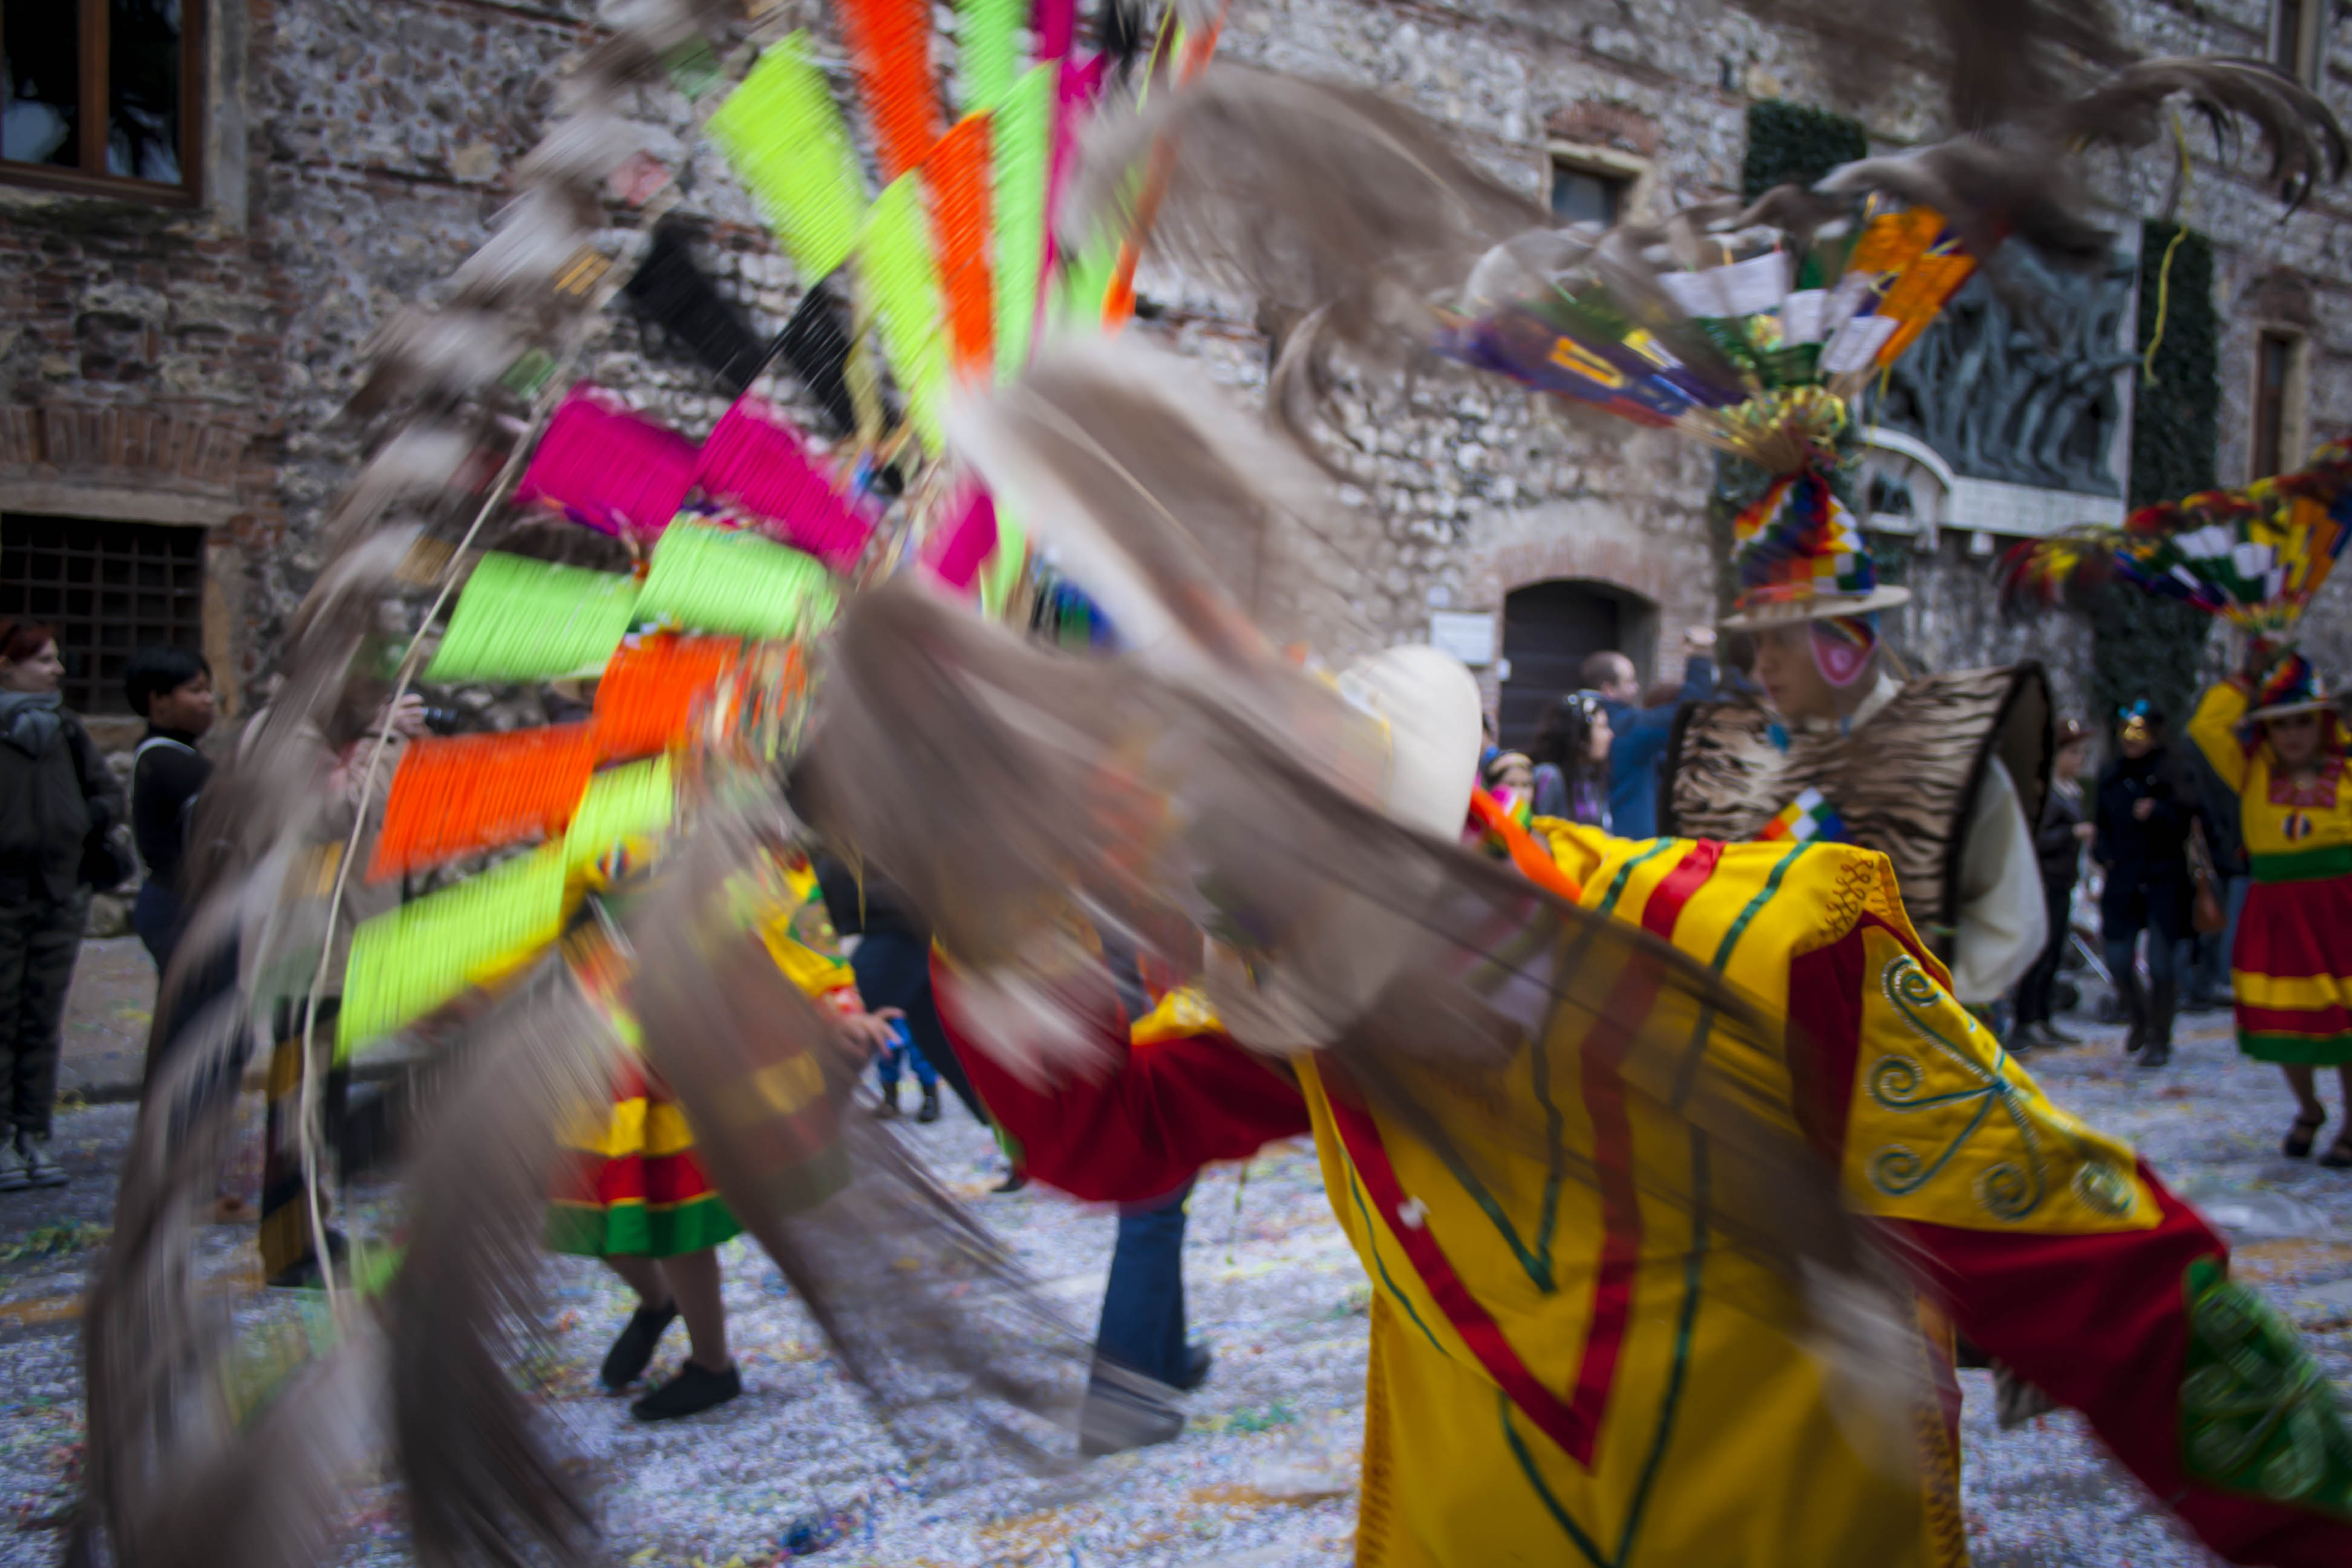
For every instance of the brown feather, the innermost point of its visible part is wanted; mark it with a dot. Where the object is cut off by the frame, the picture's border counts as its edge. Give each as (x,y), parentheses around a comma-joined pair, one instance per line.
(2298,130)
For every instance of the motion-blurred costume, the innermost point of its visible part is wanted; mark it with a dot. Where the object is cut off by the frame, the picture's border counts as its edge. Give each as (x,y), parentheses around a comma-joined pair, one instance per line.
(1572,1368)
(1942,774)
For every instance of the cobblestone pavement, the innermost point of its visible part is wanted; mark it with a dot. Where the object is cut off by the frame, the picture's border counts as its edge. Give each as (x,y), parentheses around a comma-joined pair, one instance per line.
(1264,1476)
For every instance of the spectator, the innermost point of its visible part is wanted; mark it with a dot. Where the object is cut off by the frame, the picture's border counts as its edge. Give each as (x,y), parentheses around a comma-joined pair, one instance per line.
(1571,756)
(1509,772)
(56,801)
(2058,843)
(1640,734)
(2145,812)
(2209,984)
(172,688)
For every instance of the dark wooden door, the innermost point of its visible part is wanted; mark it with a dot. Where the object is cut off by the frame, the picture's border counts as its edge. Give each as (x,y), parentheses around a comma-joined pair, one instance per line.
(1548,630)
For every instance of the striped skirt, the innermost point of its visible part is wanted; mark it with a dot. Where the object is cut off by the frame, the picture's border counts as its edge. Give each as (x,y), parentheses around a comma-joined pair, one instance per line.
(632,1186)
(2291,971)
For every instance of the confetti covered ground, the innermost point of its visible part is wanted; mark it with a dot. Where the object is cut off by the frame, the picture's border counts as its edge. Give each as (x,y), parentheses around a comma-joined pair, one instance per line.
(1265,1475)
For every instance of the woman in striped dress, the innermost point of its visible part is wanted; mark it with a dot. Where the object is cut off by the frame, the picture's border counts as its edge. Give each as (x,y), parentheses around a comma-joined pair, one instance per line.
(2280,743)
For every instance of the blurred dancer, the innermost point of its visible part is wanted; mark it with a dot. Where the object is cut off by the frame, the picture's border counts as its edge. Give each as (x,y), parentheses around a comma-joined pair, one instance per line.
(1573,1380)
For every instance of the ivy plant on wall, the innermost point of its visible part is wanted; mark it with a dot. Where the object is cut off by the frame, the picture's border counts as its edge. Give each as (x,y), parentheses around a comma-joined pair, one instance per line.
(1790,143)
(2144,646)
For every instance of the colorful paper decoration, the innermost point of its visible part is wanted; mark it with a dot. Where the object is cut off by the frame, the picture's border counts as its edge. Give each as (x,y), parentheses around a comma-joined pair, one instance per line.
(518,619)
(890,42)
(957,175)
(606,467)
(784,137)
(732,580)
(407,961)
(755,461)
(902,284)
(461,794)
(1020,144)
(646,701)
(637,800)
(988,38)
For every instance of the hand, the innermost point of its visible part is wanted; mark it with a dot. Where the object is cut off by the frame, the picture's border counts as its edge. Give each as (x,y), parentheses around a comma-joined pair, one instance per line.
(869,1033)
(405,718)
(2085,831)
(2143,807)
(1698,639)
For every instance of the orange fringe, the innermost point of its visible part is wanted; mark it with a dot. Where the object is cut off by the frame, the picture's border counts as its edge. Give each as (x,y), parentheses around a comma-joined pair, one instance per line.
(957,173)
(1535,862)
(460,794)
(645,701)
(890,41)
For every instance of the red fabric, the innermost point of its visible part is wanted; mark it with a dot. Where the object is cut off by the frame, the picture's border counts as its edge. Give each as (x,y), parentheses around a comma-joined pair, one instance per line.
(2099,1323)
(1169,1109)
(2296,930)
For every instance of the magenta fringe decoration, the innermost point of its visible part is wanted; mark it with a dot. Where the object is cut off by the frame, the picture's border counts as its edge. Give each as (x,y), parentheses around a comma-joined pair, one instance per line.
(602,464)
(954,554)
(1075,89)
(1056,23)
(754,461)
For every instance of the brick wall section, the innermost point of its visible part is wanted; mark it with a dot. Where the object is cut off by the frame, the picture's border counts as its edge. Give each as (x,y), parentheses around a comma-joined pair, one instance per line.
(379,136)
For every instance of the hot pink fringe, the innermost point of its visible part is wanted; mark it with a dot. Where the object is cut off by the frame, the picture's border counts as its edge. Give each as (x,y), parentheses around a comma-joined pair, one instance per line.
(956,552)
(754,461)
(605,466)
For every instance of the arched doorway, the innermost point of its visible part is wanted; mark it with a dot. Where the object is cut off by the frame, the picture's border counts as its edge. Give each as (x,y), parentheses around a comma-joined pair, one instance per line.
(1548,630)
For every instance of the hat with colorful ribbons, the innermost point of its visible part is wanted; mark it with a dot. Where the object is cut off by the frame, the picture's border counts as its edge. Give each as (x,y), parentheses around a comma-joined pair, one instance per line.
(1799,555)
(2290,685)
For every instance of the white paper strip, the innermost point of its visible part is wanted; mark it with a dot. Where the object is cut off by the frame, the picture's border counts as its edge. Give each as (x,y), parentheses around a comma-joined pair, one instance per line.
(1695,292)
(1857,343)
(1758,283)
(1800,316)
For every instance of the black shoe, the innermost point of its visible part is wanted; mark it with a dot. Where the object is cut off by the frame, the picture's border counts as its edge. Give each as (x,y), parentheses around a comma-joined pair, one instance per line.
(1013,1182)
(2058,1036)
(632,1351)
(2157,1054)
(930,1107)
(1198,1360)
(2025,1037)
(889,1106)
(694,1390)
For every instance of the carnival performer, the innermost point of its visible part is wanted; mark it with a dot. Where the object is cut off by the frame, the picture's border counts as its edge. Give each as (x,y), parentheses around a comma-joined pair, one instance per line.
(1942,773)
(1566,1374)
(2277,739)
(631,1191)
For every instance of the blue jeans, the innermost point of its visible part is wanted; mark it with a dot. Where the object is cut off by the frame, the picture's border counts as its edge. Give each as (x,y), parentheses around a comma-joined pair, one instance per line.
(902,1053)
(2167,958)
(155,916)
(1143,1303)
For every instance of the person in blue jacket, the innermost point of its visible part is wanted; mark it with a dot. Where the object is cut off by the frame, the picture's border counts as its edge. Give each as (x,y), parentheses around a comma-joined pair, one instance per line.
(1641,733)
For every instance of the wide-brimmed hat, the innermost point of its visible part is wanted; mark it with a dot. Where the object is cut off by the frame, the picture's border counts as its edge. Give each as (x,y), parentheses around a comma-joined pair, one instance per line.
(1800,557)
(1428,700)
(2291,686)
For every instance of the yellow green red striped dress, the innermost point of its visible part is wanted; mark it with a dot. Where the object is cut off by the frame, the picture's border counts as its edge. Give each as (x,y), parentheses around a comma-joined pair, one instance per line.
(2291,971)
(628,1183)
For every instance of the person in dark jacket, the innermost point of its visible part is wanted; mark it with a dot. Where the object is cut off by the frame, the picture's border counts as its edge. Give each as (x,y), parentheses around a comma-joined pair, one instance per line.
(2058,841)
(172,688)
(55,798)
(2144,813)
(1639,735)
(2209,985)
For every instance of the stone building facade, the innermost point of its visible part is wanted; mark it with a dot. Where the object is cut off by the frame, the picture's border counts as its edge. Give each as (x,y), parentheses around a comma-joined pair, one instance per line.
(175,358)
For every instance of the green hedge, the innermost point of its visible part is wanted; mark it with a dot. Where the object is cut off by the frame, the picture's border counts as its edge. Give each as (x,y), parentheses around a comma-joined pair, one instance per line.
(2144,646)
(1789,144)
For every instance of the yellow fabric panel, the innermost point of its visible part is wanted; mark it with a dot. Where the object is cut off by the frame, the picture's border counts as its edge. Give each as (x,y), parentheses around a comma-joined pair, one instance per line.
(1183,1012)
(2293,993)
(1944,1126)
(611,1130)
(666,1130)
(2213,726)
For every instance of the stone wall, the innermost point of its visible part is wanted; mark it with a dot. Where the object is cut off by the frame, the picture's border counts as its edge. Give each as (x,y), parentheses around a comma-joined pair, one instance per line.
(363,151)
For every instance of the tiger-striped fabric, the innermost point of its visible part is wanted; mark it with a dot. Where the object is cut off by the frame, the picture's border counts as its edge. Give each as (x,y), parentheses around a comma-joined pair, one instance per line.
(1902,782)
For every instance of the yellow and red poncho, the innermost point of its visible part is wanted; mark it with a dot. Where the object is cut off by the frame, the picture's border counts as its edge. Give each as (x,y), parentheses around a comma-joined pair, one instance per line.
(2291,971)
(1564,1374)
